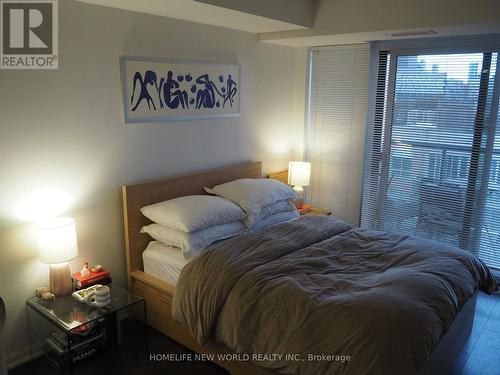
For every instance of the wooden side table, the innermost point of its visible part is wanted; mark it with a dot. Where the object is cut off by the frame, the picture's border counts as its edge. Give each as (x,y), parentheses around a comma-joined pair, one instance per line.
(316,211)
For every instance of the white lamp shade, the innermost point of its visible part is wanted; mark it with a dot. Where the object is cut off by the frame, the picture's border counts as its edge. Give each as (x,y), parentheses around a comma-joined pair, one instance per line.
(299,173)
(57,240)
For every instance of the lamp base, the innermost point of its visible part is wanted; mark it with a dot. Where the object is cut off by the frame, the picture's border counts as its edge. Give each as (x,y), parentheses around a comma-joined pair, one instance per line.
(60,279)
(299,201)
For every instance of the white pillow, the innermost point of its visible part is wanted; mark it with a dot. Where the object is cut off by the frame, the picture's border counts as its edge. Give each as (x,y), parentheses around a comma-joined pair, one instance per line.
(193,212)
(254,194)
(271,209)
(275,219)
(191,244)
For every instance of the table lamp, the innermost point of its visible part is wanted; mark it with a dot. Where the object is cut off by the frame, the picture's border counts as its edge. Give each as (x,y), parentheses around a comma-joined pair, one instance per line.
(299,174)
(57,243)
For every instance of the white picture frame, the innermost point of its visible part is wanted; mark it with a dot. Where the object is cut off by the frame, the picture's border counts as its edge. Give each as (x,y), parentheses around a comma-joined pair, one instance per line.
(161,90)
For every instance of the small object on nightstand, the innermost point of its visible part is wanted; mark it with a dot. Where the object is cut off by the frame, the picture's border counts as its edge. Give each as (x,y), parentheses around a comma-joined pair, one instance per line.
(81,295)
(48,296)
(96,268)
(40,291)
(44,294)
(85,272)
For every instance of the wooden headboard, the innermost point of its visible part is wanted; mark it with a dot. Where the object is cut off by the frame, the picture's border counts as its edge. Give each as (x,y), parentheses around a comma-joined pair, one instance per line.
(140,195)
(280,176)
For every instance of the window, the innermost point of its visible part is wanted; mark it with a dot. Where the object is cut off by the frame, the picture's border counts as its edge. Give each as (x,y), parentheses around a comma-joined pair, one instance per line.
(456,168)
(422,117)
(495,173)
(400,166)
(433,165)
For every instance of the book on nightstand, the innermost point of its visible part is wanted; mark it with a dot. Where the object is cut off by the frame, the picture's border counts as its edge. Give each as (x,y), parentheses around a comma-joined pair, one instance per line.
(61,354)
(304,209)
(101,277)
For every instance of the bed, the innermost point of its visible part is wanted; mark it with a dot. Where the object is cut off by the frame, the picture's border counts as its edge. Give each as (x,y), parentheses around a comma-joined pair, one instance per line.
(163,262)
(159,290)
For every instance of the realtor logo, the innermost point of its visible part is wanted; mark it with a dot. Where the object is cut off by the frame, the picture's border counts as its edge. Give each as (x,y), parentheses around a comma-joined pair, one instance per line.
(29,34)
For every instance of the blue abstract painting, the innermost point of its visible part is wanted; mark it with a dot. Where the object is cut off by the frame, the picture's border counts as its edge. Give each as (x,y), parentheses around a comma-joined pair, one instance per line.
(162,90)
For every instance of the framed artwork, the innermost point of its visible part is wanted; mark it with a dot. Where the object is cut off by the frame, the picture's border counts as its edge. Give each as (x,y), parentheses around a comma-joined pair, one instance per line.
(157,90)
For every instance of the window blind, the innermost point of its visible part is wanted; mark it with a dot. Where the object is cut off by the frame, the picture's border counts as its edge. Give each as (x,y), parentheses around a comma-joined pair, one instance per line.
(488,242)
(337,108)
(434,154)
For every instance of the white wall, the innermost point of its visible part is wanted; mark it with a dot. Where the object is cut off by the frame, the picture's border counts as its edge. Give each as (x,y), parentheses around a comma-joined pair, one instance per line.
(62,130)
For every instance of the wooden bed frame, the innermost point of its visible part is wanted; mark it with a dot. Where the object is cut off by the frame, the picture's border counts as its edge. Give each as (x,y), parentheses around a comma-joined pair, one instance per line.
(158,293)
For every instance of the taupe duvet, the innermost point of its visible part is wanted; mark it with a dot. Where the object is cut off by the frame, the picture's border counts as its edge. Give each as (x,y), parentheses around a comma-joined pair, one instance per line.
(318,286)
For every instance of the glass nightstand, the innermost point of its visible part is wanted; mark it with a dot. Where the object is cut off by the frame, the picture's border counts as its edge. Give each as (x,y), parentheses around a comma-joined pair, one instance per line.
(77,331)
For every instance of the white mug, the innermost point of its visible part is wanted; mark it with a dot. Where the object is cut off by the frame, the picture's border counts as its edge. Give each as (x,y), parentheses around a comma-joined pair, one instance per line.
(99,297)
(102,291)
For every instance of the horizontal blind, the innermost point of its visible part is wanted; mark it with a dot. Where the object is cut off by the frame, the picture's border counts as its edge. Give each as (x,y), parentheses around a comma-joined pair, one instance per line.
(489,240)
(430,161)
(336,118)
(374,145)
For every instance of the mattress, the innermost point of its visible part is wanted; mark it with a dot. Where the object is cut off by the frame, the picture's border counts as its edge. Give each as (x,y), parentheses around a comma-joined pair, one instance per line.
(163,262)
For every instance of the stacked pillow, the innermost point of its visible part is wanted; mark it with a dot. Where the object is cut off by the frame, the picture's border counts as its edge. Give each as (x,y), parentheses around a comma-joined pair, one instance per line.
(193,222)
(265,201)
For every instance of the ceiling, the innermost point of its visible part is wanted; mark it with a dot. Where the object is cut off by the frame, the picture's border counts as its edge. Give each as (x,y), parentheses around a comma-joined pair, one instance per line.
(300,23)
(256,16)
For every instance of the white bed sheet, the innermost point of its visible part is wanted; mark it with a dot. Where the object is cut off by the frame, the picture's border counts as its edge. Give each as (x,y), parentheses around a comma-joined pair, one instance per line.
(163,262)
